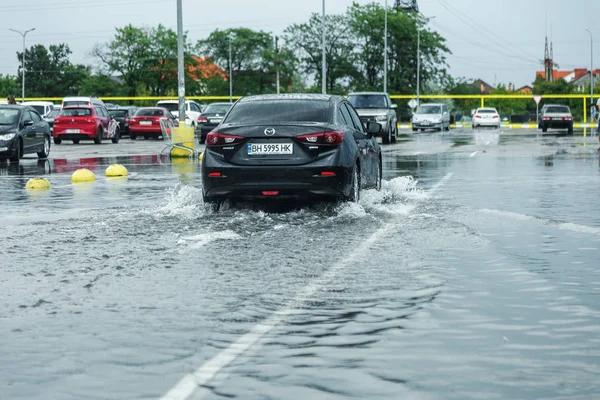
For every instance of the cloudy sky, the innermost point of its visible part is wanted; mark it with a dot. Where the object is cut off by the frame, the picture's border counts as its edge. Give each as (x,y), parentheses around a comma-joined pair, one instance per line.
(496,40)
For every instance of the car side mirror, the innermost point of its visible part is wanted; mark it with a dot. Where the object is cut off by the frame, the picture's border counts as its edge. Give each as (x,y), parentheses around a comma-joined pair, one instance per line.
(373,128)
(445,112)
(28,123)
(394,106)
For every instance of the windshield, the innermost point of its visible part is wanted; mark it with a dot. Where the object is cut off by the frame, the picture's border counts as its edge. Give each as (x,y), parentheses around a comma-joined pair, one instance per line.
(368,101)
(173,107)
(76,112)
(76,103)
(8,116)
(558,109)
(217,109)
(429,110)
(267,112)
(150,112)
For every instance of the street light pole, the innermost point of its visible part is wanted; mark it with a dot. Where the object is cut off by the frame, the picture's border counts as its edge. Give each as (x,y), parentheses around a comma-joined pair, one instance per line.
(591,66)
(180,65)
(418,63)
(23,61)
(277,61)
(323,58)
(230,73)
(385,49)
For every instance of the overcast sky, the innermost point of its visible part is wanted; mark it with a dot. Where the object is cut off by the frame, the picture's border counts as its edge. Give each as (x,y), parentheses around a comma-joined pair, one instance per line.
(496,40)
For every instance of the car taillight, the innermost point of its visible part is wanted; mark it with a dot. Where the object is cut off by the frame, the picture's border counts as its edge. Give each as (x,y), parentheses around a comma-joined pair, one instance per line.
(127,120)
(567,118)
(90,120)
(477,116)
(220,139)
(547,118)
(333,137)
(496,116)
(202,120)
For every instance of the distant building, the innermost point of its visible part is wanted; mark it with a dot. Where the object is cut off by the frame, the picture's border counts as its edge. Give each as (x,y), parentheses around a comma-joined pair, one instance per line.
(481,86)
(578,77)
(583,80)
(524,90)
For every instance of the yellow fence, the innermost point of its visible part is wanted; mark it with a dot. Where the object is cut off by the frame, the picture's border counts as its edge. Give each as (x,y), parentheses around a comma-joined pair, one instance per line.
(584,98)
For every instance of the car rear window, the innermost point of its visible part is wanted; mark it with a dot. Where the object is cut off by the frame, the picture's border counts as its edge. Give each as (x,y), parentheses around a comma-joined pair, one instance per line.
(169,106)
(217,109)
(53,113)
(558,109)
(149,112)
(76,112)
(39,109)
(487,111)
(269,111)
(368,101)
(76,103)
(118,113)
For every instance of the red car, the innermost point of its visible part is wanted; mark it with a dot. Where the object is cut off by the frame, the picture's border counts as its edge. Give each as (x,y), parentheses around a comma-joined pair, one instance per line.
(146,122)
(83,123)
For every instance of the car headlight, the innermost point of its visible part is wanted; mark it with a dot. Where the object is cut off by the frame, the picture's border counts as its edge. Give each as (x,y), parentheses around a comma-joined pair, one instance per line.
(8,136)
(380,118)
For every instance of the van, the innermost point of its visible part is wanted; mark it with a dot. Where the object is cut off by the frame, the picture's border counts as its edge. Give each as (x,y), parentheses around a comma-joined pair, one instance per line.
(81,101)
(42,107)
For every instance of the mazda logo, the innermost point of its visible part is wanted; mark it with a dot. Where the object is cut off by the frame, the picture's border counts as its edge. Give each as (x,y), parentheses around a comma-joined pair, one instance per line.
(269,131)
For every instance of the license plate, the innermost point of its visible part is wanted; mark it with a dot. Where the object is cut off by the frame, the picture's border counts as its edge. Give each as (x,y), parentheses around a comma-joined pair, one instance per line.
(215,121)
(379,139)
(557,118)
(270,149)
(145,122)
(72,131)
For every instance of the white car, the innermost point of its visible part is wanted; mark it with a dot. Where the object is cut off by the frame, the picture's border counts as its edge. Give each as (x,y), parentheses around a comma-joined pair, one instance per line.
(42,107)
(486,116)
(192,111)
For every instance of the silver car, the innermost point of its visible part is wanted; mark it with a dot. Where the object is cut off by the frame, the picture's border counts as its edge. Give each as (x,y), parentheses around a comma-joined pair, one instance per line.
(377,107)
(431,116)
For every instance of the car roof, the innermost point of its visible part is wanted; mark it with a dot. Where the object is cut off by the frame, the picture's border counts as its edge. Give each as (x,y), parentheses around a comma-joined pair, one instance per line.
(220,104)
(18,106)
(487,108)
(37,103)
(77,106)
(289,96)
(174,101)
(432,104)
(368,93)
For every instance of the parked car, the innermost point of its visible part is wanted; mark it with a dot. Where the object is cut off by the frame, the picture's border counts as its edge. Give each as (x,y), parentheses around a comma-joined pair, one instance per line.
(557,117)
(281,146)
(81,101)
(42,107)
(146,122)
(50,118)
(377,107)
(83,123)
(210,118)
(539,116)
(431,116)
(486,117)
(22,131)
(123,116)
(192,111)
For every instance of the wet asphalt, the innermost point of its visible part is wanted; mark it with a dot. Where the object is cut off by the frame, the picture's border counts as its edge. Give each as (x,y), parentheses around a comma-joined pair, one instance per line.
(474,273)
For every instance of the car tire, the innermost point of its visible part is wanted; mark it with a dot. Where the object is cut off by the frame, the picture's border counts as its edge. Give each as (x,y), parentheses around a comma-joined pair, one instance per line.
(75,141)
(98,138)
(146,137)
(355,186)
(544,128)
(570,131)
(393,135)
(115,139)
(57,141)
(415,130)
(18,154)
(422,130)
(132,137)
(379,176)
(215,203)
(45,150)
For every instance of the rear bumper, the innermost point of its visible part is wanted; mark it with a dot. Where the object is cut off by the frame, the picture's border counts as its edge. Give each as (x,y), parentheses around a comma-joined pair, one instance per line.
(294,181)
(84,134)
(487,123)
(150,131)
(557,124)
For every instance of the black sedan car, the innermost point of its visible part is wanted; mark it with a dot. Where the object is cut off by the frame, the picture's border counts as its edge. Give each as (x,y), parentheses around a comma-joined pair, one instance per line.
(211,116)
(22,131)
(123,116)
(281,146)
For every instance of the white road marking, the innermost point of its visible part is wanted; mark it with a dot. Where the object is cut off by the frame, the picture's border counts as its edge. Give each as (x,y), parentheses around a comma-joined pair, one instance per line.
(568,226)
(190,383)
(473,154)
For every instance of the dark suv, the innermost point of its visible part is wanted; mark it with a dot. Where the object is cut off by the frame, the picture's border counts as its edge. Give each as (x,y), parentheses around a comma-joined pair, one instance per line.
(211,116)
(123,116)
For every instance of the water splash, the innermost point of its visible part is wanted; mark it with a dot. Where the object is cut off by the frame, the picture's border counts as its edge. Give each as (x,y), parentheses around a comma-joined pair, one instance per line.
(182,201)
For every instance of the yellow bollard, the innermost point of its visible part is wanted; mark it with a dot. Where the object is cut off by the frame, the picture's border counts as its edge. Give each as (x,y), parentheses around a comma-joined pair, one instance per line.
(185,136)
(38,184)
(83,175)
(116,170)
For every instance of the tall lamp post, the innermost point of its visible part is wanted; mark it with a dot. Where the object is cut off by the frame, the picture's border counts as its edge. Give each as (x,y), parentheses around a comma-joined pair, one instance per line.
(23,61)
(230,73)
(591,66)
(180,65)
(323,56)
(385,49)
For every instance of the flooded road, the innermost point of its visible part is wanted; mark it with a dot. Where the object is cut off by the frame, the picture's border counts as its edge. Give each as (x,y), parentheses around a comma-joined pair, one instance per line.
(474,273)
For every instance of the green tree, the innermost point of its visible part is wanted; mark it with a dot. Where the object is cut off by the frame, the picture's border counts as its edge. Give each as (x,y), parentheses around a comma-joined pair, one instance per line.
(461,87)
(306,39)
(508,106)
(101,84)
(50,73)
(8,85)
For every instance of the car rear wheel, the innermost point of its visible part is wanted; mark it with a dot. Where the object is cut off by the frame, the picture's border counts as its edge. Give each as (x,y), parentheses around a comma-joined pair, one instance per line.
(46,149)
(570,130)
(544,128)
(98,139)
(379,177)
(75,141)
(57,141)
(355,188)
(18,154)
(115,139)
(414,129)
(132,137)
